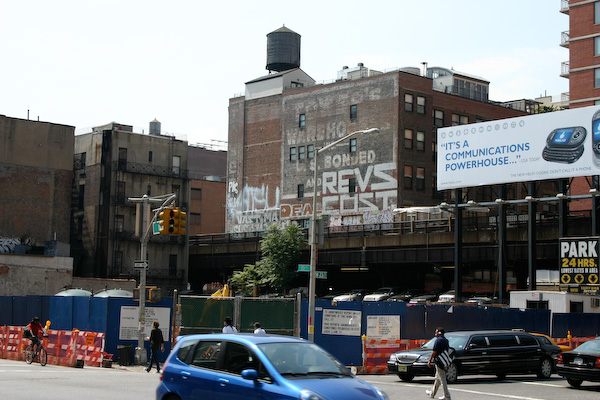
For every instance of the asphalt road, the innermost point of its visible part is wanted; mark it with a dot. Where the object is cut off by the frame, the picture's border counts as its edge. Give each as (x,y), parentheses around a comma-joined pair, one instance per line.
(19,381)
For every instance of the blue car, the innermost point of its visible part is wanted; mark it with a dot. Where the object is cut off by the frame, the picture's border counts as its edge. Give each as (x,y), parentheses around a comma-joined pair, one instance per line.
(248,366)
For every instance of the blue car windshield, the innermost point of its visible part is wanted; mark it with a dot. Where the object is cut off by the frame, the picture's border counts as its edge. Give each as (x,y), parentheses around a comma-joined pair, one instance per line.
(456,342)
(302,359)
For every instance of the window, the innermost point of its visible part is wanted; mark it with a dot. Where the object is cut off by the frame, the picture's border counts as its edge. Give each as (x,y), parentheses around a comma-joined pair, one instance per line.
(420,141)
(459,119)
(408,102)
(420,183)
(576,306)
(119,219)
(237,358)
(596,47)
(408,139)
(172,265)
(195,219)
(543,304)
(479,341)
(310,151)
(120,192)
(597,12)
(205,356)
(150,156)
(196,194)
(503,340)
(353,113)
(81,197)
(149,190)
(597,77)
(302,121)
(118,261)
(353,145)
(434,151)
(529,341)
(300,191)
(438,118)
(122,163)
(176,165)
(352,185)
(79,161)
(420,105)
(301,153)
(408,177)
(292,154)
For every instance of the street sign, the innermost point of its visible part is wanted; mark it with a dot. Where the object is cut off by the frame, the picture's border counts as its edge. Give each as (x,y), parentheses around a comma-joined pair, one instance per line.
(321,274)
(140,264)
(304,268)
(156,228)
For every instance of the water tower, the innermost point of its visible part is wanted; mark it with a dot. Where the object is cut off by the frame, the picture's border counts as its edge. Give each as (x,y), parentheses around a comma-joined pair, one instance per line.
(283,50)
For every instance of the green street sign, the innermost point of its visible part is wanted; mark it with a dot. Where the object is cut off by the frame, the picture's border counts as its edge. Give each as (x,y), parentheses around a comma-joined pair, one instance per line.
(304,268)
(156,228)
(321,274)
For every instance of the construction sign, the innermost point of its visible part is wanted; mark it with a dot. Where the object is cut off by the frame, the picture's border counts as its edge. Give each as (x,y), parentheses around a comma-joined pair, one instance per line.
(579,261)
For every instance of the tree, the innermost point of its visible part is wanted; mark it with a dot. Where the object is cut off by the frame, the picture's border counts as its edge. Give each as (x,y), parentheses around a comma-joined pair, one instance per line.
(281,249)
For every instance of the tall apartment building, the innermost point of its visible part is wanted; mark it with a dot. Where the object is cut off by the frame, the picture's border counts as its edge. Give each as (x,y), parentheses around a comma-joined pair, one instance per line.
(583,70)
(276,128)
(112,163)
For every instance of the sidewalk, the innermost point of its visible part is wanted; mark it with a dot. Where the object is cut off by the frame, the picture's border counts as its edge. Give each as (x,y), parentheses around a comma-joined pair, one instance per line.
(134,368)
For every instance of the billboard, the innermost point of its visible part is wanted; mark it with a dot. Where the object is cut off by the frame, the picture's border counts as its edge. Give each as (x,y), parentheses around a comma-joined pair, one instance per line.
(579,261)
(554,145)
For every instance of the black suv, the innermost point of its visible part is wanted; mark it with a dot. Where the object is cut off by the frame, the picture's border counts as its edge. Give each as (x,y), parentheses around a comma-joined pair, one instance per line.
(481,353)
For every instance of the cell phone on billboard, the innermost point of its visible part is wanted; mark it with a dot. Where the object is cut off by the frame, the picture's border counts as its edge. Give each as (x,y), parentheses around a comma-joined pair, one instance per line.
(565,145)
(596,138)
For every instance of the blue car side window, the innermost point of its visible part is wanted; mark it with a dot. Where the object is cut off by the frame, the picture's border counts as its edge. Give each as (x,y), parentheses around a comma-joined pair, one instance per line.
(206,354)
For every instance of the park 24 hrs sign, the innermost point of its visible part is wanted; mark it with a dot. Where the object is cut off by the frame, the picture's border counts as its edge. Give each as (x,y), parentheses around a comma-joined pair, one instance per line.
(579,261)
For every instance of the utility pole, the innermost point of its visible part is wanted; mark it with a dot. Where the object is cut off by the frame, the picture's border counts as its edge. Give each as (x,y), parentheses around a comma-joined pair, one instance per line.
(140,353)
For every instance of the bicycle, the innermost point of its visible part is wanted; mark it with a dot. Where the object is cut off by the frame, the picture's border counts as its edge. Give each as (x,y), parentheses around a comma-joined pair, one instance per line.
(40,354)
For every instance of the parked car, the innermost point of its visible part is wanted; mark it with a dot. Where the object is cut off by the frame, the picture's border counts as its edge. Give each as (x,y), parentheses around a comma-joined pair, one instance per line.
(248,366)
(353,295)
(447,297)
(480,353)
(479,300)
(404,295)
(548,340)
(425,297)
(581,364)
(381,294)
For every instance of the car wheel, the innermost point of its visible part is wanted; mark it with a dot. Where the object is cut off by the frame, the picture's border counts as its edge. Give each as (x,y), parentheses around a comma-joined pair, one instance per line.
(574,382)
(545,370)
(501,375)
(451,373)
(172,397)
(406,377)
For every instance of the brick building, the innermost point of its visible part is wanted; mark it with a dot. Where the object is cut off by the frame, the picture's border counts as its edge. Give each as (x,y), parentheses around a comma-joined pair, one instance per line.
(284,117)
(111,164)
(36,173)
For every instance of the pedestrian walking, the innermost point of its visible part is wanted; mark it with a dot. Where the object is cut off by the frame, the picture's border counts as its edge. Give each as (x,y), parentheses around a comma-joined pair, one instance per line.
(156,342)
(228,327)
(440,344)
(258,330)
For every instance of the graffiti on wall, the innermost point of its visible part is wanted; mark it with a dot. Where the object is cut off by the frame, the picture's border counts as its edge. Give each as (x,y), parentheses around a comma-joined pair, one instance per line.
(364,221)
(249,209)
(7,245)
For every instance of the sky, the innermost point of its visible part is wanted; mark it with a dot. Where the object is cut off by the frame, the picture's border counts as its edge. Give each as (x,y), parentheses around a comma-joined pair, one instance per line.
(87,63)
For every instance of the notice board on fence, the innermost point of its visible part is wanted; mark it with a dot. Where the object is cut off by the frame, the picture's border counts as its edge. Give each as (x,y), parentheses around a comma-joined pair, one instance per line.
(383,327)
(129,322)
(341,322)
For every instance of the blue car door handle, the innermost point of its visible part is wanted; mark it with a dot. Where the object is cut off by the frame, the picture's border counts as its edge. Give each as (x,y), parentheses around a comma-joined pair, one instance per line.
(223,381)
(185,375)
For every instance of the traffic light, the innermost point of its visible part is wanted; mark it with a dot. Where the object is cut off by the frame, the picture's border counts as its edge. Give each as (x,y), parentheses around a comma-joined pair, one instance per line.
(171,216)
(182,222)
(179,222)
(164,221)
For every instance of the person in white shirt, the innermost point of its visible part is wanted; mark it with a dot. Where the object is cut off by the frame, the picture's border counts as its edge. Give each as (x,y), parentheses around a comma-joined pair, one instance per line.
(228,328)
(258,330)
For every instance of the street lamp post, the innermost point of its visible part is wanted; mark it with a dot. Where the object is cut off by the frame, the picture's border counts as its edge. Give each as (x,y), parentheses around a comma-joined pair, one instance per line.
(313,235)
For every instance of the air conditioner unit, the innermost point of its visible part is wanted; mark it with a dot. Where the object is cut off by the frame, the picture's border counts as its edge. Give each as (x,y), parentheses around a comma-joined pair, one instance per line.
(595,302)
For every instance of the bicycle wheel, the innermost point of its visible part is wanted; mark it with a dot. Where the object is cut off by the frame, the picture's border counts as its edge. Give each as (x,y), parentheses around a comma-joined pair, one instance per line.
(43,356)
(29,354)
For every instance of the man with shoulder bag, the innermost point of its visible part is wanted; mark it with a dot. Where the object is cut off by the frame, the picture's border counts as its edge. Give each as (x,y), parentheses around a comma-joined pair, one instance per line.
(440,348)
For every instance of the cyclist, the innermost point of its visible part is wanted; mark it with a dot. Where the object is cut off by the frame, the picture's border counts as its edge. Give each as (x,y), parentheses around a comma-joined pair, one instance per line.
(37,331)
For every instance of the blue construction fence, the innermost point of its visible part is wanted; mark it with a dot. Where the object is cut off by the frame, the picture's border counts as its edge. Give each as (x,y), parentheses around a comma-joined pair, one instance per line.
(83,313)
(419,321)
